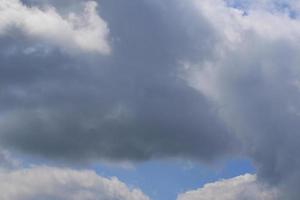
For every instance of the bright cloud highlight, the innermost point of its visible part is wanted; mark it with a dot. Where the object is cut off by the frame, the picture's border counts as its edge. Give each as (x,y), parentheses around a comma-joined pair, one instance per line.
(85,31)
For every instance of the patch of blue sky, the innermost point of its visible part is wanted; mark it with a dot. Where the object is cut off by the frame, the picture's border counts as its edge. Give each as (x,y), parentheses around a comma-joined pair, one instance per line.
(283,6)
(164,180)
(239,4)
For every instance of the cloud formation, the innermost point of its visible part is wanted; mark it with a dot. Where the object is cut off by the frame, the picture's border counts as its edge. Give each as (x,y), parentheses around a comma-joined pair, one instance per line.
(63,184)
(86,31)
(193,79)
(243,187)
(131,105)
(253,80)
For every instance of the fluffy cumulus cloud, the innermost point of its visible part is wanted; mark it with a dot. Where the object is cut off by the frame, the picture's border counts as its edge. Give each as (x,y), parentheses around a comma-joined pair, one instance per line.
(243,187)
(63,184)
(84,32)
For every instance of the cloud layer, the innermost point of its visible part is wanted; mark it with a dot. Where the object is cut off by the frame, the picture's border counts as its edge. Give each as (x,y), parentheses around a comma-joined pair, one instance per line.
(62,184)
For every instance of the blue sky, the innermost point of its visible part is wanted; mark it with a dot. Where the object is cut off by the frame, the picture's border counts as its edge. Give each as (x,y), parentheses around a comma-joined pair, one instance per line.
(164,180)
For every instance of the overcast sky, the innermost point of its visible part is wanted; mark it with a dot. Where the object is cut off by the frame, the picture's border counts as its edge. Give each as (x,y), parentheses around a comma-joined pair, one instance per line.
(149,99)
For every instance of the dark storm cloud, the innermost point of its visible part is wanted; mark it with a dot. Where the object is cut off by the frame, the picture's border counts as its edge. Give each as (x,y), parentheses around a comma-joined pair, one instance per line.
(131,104)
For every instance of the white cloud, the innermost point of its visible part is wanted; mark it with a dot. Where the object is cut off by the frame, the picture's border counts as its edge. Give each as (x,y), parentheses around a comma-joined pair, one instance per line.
(233,24)
(62,184)
(86,31)
(239,188)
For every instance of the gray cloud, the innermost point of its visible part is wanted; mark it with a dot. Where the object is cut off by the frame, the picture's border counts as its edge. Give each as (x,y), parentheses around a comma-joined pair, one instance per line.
(7,161)
(132,104)
(254,82)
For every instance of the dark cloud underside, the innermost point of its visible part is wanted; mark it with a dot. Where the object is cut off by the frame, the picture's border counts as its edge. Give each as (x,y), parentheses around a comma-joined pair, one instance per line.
(131,104)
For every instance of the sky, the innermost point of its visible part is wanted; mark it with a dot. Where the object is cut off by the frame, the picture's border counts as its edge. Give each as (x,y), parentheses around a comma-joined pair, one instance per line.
(149,99)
